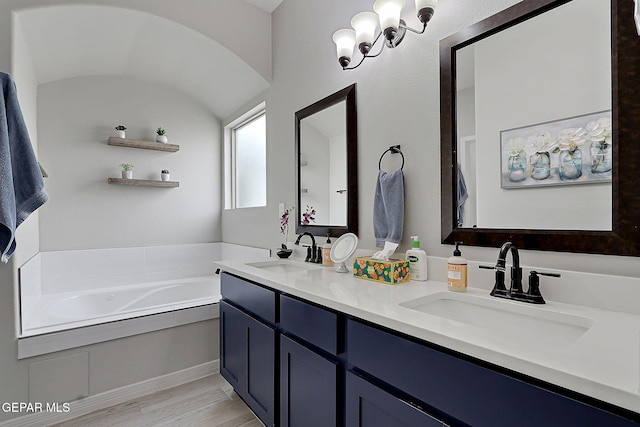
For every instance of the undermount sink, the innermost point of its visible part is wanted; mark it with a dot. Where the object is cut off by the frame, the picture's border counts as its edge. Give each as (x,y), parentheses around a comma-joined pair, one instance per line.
(506,319)
(280,266)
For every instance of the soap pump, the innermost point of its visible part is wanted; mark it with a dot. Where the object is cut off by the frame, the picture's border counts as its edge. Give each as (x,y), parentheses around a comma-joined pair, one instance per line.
(417,261)
(326,252)
(457,271)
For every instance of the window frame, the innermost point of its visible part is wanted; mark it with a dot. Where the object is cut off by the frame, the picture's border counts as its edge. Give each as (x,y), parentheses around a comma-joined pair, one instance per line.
(230,131)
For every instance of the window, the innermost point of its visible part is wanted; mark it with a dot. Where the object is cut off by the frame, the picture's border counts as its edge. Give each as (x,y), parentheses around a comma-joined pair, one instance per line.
(246,160)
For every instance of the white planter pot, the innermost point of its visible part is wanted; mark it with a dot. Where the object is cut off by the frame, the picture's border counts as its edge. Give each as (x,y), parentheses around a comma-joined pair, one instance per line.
(165,176)
(121,134)
(127,174)
(162,138)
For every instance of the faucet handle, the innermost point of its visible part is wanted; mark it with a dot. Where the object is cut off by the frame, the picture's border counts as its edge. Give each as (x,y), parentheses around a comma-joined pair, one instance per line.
(533,294)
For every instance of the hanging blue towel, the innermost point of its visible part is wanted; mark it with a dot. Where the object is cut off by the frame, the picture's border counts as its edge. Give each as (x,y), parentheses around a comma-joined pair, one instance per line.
(21,185)
(388,207)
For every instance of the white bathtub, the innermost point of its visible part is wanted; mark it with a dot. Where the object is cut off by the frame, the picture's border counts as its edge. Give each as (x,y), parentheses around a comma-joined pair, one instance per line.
(73,289)
(66,310)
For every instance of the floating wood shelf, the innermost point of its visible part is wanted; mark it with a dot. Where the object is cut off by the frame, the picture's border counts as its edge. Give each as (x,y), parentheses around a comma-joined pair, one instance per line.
(146,145)
(143,182)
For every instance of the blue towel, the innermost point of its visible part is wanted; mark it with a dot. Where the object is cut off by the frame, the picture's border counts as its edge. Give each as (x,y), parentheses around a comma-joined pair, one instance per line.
(388,207)
(21,185)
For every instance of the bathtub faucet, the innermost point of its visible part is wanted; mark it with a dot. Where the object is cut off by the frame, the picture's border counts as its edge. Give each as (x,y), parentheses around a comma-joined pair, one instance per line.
(311,251)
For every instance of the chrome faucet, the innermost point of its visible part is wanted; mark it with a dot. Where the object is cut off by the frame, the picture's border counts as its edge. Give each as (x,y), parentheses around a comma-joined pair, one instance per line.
(515,290)
(311,250)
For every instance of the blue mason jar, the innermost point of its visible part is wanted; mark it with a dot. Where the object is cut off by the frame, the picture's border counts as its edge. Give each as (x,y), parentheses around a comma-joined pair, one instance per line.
(570,164)
(517,167)
(540,165)
(600,153)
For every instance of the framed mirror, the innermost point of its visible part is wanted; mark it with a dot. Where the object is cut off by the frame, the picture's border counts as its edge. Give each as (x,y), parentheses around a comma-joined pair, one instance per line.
(327,165)
(525,95)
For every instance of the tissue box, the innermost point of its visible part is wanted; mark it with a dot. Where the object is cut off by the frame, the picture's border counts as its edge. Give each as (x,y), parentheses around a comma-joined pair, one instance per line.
(390,272)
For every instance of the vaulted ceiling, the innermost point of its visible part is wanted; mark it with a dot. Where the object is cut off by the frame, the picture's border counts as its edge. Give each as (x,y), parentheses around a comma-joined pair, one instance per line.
(70,40)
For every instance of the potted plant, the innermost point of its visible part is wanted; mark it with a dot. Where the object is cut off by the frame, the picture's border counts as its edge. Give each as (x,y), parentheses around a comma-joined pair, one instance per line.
(161,137)
(121,129)
(165,175)
(127,172)
(284,251)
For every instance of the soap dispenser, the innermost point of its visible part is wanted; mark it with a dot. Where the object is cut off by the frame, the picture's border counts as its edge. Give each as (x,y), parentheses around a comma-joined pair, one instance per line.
(457,271)
(417,261)
(326,252)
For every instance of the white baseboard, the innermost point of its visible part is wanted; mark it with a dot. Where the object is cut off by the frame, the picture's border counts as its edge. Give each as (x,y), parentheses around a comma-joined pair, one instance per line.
(109,398)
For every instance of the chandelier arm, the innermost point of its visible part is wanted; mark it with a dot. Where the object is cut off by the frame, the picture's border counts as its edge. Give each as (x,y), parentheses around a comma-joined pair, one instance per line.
(406,27)
(374,43)
(354,67)
(367,55)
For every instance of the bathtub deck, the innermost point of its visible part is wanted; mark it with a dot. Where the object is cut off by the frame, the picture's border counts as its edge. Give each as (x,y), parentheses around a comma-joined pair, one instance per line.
(209,401)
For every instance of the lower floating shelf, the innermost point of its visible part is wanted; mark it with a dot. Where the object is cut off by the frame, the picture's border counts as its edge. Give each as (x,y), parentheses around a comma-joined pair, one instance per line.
(143,182)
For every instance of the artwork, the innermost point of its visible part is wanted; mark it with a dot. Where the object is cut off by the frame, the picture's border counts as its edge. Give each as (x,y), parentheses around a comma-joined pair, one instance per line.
(575,150)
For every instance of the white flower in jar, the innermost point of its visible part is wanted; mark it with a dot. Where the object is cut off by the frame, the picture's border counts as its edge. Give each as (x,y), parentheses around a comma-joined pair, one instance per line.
(571,138)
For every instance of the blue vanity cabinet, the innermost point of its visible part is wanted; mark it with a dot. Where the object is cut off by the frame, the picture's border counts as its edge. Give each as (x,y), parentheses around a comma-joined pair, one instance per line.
(308,387)
(309,366)
(248,345)
(465,391)
(370,406)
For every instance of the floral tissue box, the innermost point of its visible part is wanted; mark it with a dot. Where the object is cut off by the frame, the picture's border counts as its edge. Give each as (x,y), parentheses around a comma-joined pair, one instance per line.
(390,272)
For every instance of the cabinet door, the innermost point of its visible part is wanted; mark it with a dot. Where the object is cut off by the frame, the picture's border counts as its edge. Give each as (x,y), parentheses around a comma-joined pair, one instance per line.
(261,366)
(308,394)
(369,406)
(233,348)
(247,360)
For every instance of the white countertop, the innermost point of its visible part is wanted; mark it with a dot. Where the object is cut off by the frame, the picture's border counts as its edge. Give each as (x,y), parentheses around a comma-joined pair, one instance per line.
(603,363)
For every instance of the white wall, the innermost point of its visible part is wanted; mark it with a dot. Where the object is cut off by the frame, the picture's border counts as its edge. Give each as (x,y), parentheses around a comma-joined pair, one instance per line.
(73,146)
(516,88)
(398,99)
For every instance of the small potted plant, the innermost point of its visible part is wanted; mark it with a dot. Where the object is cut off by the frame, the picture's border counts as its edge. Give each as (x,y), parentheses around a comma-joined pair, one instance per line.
(161,137)
(284,251)
(121,129)
(127,172)
(165,175)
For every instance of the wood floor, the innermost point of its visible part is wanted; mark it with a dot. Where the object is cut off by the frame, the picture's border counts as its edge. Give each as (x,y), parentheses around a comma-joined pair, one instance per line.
(209,401)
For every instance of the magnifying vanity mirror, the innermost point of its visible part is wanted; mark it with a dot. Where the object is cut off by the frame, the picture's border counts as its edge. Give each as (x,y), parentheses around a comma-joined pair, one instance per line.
(327,175)
(543,87)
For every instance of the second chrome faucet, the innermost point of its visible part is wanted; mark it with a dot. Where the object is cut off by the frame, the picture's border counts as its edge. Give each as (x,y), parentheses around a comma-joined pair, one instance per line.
(515,291)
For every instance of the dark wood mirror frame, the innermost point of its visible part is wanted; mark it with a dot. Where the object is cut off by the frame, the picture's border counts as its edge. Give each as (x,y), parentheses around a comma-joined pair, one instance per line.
(347,94)
(624,239)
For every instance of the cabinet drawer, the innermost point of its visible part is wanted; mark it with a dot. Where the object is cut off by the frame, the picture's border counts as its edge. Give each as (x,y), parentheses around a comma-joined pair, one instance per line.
(466,391)
(310,323)
(251,297)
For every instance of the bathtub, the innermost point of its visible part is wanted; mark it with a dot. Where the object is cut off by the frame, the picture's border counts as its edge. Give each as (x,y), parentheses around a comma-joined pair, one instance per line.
(67,290)
(66,310)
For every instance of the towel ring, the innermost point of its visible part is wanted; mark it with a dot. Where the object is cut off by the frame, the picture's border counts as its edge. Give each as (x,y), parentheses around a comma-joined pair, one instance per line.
(394,149)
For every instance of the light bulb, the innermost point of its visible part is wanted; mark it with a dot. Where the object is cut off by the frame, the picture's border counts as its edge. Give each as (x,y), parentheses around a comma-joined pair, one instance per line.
(389,14)
(345,40)
(425,9)
(365,25)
